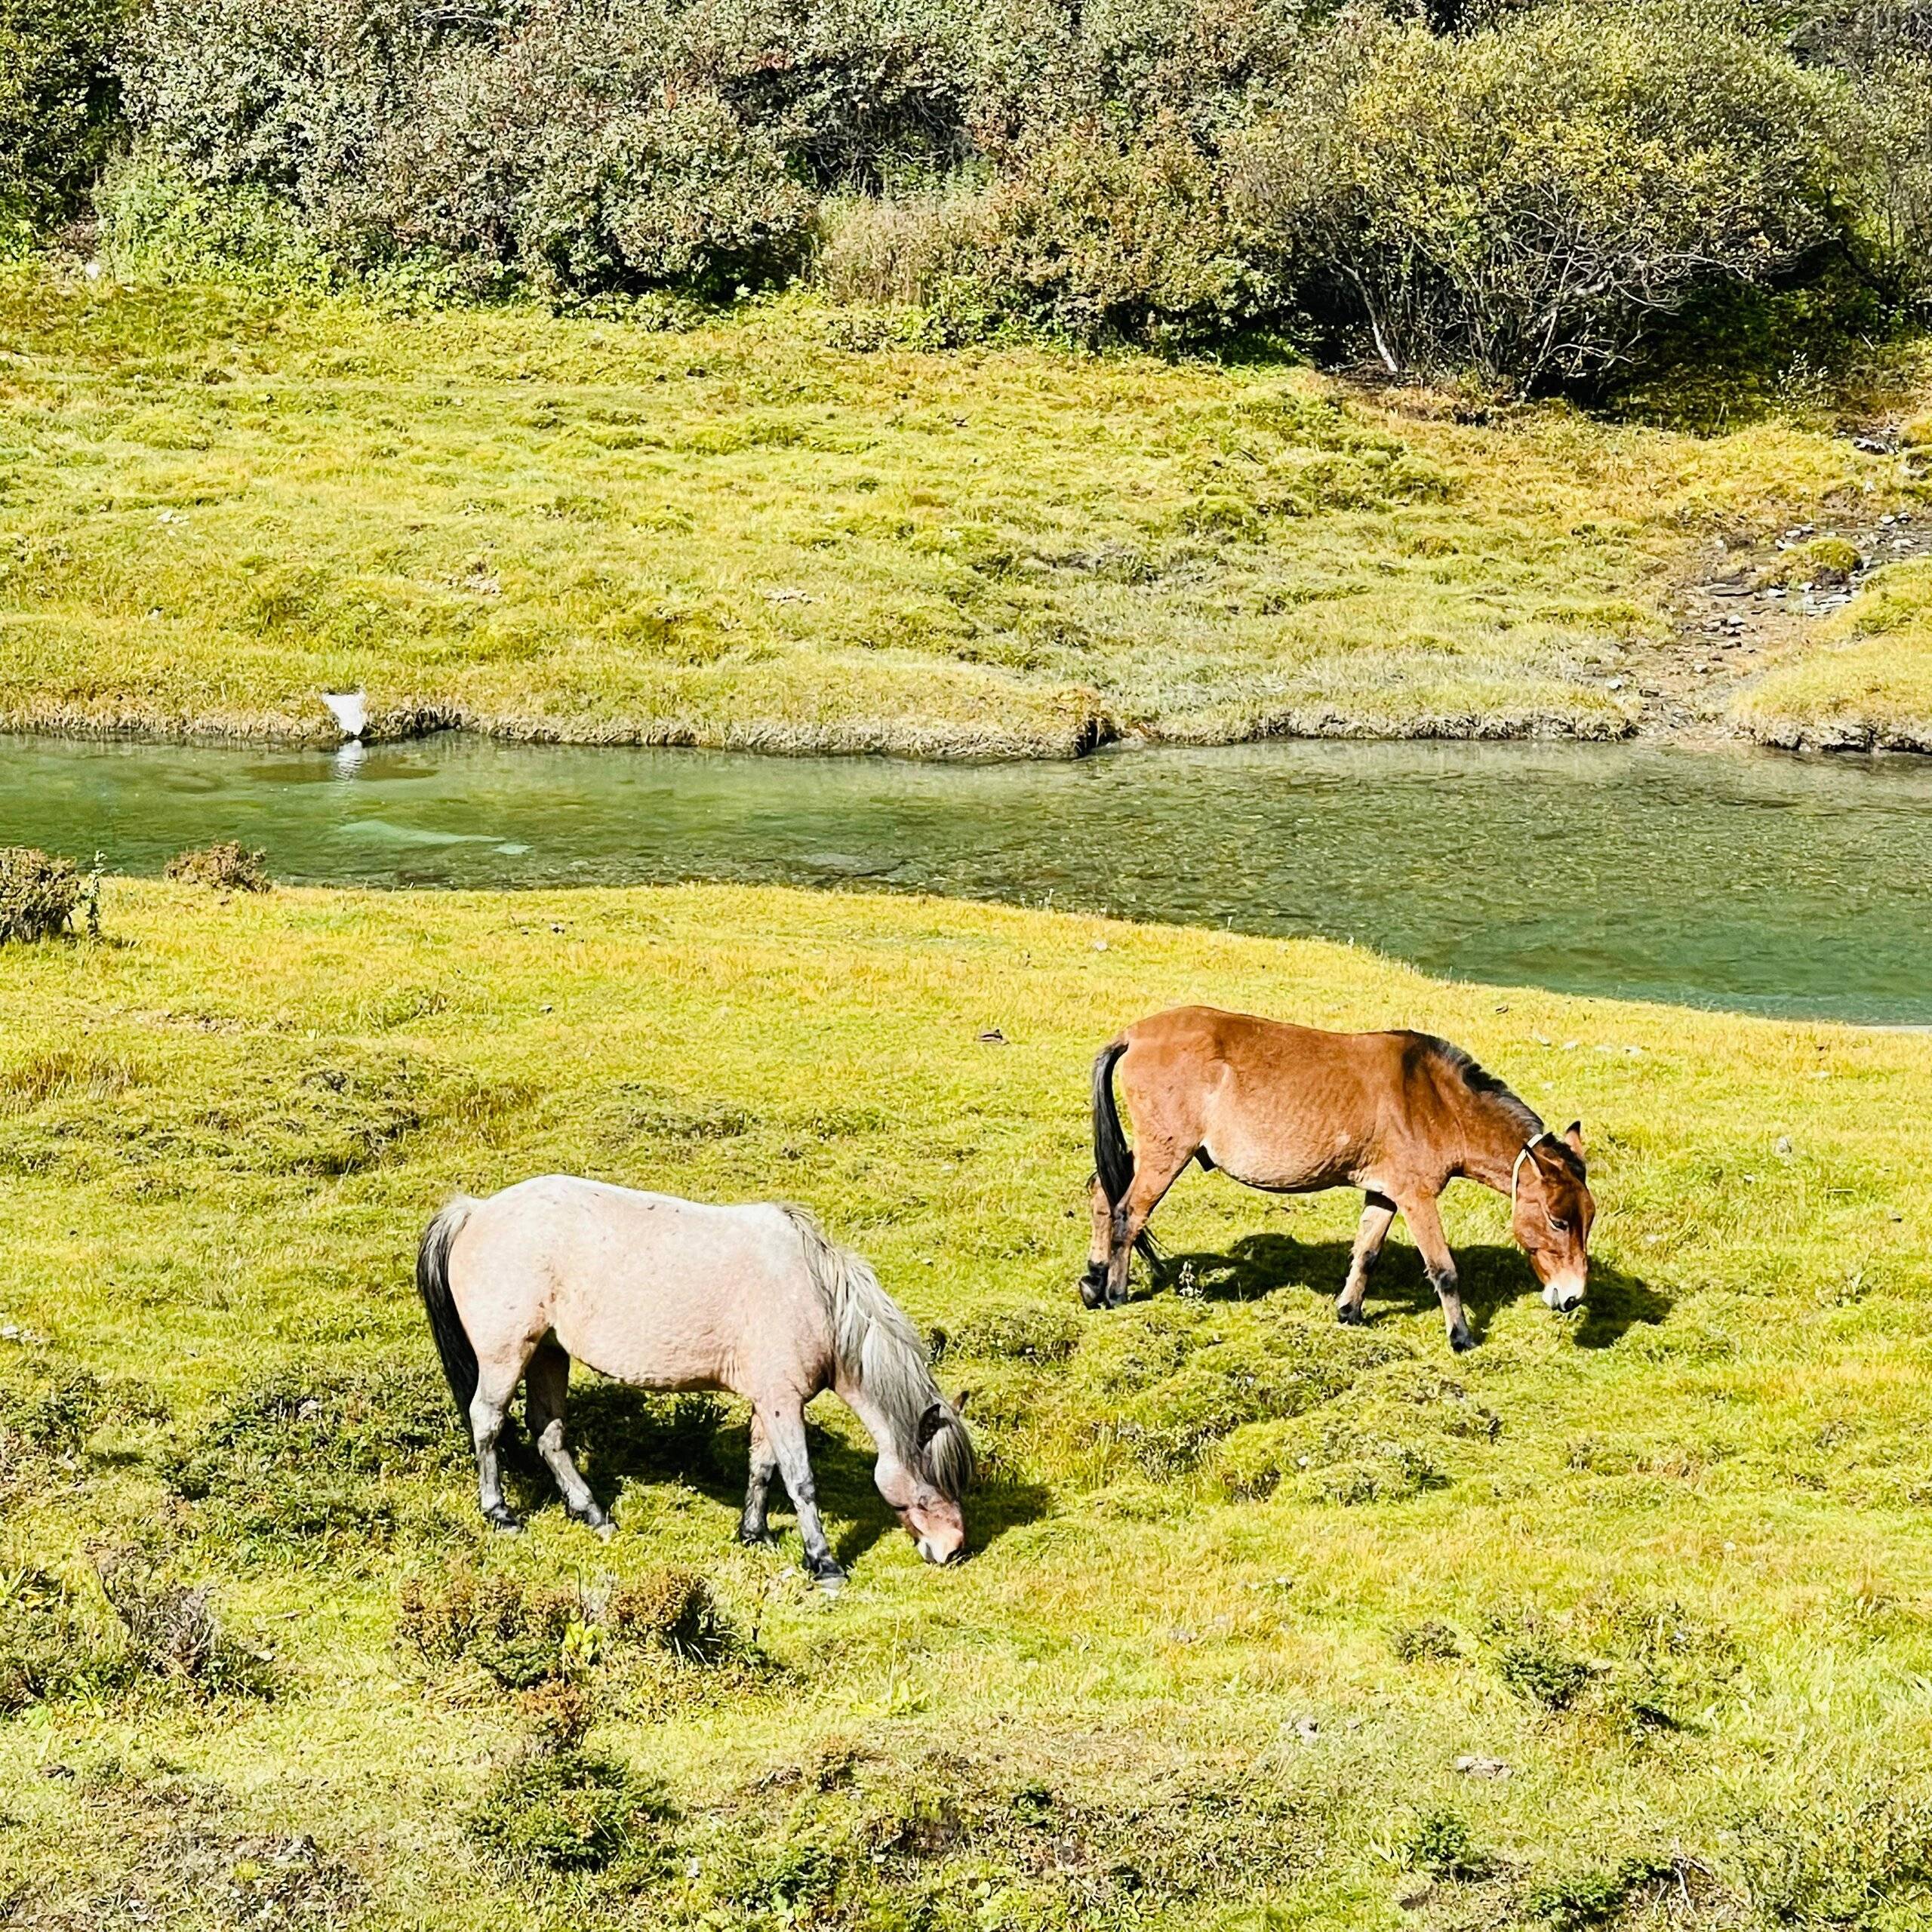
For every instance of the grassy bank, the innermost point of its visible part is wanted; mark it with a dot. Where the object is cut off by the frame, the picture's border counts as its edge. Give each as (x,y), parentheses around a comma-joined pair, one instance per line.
(1248,1586)
(1864,684)
(755,533)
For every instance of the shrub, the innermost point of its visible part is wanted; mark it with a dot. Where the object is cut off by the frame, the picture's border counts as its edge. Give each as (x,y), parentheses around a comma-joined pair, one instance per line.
(227,867)
(526,1635)
(1094,233)
(1442,1843)
(563,1810)
(1530,198)
(49,1646)
(1530,1663)
(173,1632)
(38,893)
(59,107)
(1429,1641)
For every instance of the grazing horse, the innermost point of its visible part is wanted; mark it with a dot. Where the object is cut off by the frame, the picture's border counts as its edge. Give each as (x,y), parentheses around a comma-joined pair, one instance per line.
(665,1294)
(1293,1110)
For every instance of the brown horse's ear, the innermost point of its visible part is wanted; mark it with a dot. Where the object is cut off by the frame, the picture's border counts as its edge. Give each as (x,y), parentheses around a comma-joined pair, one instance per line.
(960,1400)
(930,1423)
(1573,1135)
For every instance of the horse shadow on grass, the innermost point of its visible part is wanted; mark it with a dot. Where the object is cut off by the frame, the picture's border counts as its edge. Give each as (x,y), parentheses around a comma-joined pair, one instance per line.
(1490,1277)
(620,1435)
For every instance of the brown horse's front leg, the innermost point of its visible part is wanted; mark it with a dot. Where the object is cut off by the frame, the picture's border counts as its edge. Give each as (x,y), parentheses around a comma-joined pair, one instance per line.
(1376,1216)
(1425,1228)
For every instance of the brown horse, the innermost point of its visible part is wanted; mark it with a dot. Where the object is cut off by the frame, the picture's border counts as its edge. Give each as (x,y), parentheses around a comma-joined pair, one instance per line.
(1293,1110)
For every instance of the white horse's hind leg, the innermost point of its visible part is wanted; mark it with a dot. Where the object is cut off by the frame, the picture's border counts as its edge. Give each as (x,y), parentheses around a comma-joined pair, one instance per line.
(487,1408)
(547,1380)
(785,1429)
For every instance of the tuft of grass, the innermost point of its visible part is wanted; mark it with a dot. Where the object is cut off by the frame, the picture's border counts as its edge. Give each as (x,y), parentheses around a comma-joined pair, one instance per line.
(750,532)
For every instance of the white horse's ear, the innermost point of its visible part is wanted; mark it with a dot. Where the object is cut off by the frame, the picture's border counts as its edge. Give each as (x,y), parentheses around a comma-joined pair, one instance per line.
(960,1400)
(930,1423)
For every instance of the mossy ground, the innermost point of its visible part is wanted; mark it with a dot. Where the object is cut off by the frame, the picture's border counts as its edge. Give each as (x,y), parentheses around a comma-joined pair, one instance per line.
(748,531)
(1247,1587)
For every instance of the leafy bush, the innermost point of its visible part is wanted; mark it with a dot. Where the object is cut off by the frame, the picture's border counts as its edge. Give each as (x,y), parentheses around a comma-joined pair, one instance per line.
(1442,1843)
(38,893)
(1530,198)
(59,107)
(227,867)
(1533,1665)
(557,1810)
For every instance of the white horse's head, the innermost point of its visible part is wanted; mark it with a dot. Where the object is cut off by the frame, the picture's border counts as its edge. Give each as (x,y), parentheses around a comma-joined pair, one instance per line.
(924,1487)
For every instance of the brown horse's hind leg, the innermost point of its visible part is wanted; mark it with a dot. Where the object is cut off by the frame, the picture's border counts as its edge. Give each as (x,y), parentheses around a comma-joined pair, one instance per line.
(1426,1227)
(547,1382)
(1157,1165)
(755,1526)
(1376,1217)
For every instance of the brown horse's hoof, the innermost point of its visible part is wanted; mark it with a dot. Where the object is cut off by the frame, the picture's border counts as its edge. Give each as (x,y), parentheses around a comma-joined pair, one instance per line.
(1350,1316)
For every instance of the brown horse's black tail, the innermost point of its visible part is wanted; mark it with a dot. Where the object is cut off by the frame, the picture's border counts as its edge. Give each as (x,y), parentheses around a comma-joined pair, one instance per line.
(432,1284)
(1113,1158)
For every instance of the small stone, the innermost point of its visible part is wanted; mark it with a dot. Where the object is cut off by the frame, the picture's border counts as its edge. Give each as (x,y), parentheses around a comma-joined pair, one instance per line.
(993,1037)
(1307,1728)
(1471,1766)
(1415,1895)
(1784,1147)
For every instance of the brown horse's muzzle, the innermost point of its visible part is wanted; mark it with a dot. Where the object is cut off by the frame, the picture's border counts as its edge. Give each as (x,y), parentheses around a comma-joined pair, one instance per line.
(1563,1293)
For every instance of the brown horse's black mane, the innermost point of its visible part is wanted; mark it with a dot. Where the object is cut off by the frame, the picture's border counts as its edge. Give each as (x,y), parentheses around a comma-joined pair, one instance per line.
(1479,1080)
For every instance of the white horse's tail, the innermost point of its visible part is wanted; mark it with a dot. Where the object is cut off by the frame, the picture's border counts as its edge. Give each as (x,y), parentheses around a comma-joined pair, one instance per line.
(881,1350)
(432,1284)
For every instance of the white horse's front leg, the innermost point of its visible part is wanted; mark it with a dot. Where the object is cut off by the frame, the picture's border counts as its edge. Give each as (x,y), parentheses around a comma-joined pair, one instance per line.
(785,1429)
(755,1526)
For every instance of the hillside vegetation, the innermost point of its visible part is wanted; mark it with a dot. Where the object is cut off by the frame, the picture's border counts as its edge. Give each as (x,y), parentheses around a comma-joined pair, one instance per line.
(1624,1621)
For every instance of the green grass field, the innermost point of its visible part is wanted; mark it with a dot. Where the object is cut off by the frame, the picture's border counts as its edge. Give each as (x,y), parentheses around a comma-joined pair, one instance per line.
(751,532)
(1247,1586)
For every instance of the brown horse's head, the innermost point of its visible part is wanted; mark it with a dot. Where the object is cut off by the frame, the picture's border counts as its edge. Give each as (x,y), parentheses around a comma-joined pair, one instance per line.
(924,1489)
(1551,1212)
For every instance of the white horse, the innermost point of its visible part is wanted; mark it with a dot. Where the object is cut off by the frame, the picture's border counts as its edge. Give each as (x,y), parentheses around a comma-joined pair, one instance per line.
(665,1294)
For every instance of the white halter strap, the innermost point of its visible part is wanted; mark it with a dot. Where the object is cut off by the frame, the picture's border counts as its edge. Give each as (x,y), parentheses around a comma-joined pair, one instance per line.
(1528,1153)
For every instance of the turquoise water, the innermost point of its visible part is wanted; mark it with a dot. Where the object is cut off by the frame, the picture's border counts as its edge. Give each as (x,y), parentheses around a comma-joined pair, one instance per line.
(1714,878)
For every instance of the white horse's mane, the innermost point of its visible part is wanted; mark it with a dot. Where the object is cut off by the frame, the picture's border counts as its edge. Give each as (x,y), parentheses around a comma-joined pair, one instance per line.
(881,1351)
